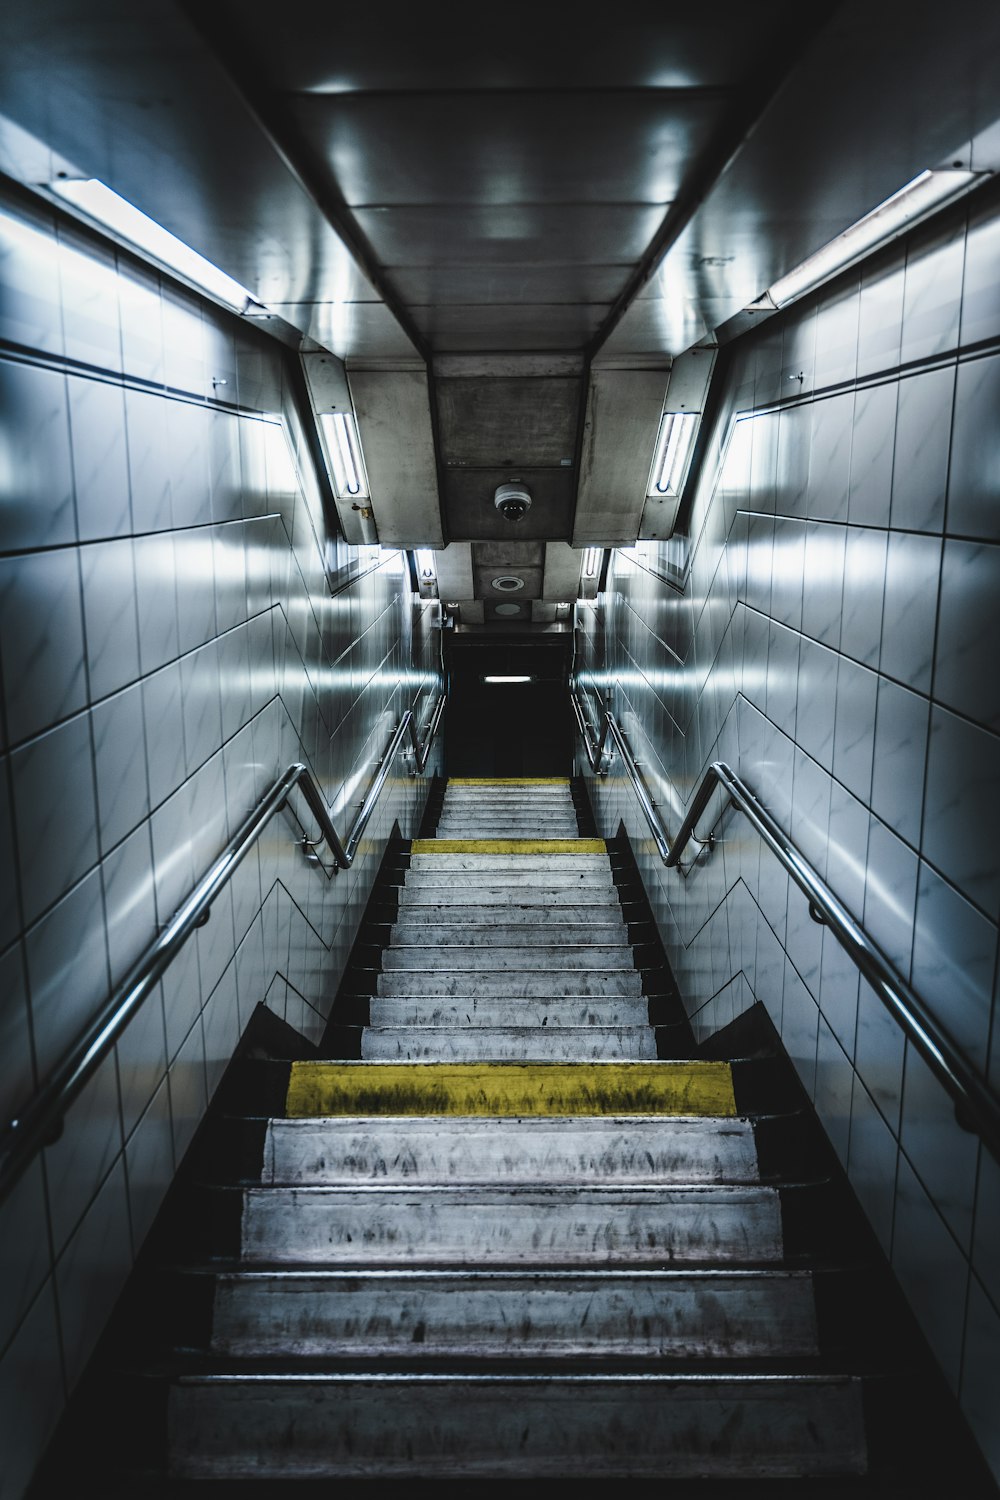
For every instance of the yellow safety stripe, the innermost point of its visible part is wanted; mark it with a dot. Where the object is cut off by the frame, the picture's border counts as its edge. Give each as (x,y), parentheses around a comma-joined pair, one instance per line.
(317,1089)
(508,846)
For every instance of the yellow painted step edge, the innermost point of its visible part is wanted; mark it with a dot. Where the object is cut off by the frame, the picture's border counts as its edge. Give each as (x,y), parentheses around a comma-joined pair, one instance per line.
(508,846)
(318,1089)
(508,781)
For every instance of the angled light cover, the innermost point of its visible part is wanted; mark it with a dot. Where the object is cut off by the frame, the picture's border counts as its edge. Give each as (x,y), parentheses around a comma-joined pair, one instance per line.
(591,561)
(345,454)
(678,430)
(926,192)
(106,207)
(425,563)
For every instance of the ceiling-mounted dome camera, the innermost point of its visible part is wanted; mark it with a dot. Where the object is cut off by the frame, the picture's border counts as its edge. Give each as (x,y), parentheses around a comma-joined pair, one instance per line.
(512,501)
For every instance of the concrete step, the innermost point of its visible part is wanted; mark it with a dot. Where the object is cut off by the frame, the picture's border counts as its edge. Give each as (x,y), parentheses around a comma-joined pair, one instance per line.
(485,812)
(506,828)
(508,1043)
(532,1427)
(504,1089)
(494,958)
(511,982)
(503,879)
(507,906)
(483,815)
(492,1149)
(482,818)
(499,789)
(514,1226)
(566,864)
(505,1314)
(497,927)
(507,780)
(417,1010)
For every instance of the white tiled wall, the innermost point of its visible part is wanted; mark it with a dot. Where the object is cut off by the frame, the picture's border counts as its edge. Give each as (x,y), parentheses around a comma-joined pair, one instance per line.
(836,642)
(175,629)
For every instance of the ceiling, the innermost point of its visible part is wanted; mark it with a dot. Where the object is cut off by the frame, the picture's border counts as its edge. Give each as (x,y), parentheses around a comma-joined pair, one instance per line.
(487,213)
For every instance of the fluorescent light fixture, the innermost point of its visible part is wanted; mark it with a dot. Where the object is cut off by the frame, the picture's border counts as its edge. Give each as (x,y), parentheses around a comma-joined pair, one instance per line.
(591,561)
(102,204)
(673,450)
(506,679)
(425,563)
(345,454)
(927,191)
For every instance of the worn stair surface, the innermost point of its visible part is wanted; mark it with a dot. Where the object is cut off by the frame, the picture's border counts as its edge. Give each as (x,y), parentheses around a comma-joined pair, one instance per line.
(523,1235)
(565,1200)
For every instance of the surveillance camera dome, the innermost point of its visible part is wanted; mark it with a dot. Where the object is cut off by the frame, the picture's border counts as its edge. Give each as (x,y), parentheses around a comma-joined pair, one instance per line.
(512,501)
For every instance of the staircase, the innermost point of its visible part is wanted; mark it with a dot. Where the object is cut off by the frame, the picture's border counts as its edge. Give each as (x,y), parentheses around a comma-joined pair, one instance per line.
(510,1240)
(515,1238)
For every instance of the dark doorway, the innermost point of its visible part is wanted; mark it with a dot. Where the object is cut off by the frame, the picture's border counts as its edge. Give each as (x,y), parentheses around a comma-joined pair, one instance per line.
(508,729)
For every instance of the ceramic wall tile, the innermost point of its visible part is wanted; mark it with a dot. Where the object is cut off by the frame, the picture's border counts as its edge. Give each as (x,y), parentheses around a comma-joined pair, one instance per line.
(41,631)
(36,490)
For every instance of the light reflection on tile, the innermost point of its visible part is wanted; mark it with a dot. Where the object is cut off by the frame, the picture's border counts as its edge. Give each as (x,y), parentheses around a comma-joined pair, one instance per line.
(110,613)
(962,807)
(41,631)
(923,438)
(901,727)
(55,812)
(965,675)
(36,482)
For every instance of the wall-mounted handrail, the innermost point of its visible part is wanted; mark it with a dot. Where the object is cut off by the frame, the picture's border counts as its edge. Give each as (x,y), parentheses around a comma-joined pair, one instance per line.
(976,1106)
(40,1123)
(422,750)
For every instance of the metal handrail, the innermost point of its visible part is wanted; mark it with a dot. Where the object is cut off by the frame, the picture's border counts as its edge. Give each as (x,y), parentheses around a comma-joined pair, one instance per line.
(976,1106)
(40,1123)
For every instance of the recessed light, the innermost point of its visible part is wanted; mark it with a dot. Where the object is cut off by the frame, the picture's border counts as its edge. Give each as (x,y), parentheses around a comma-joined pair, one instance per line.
(508,609)
(508,583)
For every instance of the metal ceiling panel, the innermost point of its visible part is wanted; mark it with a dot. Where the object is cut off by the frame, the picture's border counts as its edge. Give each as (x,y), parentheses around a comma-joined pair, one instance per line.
(471,515)
(552,146)
(882,93)
(310,47)
(561,583)
(499,423)
(131,95)
(540,285)
(394,424)
(620,430)
(525,235)
(455,329)
(454,571)
(349,329)
(664,327)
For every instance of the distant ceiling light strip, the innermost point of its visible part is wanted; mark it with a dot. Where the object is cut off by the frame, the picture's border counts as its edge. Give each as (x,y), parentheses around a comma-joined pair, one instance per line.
(927,191)
(591,561)
(425,562)
(108,208)
(506,679)
(673,450)
(344,449)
